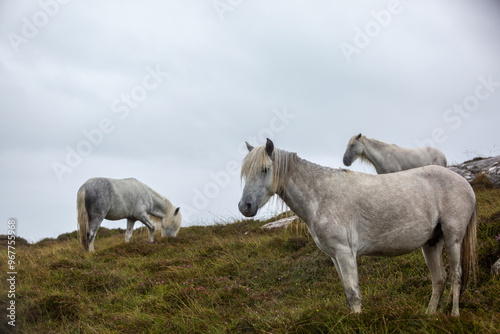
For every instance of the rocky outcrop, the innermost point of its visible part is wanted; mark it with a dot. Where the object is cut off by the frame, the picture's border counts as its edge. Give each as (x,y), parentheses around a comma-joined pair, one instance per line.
(490,167)
(285,222)
(482,172)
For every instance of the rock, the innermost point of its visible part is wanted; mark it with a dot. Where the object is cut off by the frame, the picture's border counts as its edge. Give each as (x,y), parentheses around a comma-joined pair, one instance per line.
(285,222)
(495,269)
(490,167)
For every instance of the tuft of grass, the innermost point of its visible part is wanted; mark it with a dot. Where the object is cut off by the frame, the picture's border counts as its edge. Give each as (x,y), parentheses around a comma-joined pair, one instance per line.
(54,307)
(239,278)
(481,182)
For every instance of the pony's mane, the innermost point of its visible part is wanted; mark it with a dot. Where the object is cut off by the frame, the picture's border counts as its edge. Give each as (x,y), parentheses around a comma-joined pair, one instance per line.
(258,159)
(364,159)
(169,208)
(352,140)
(374,142)
(378,145)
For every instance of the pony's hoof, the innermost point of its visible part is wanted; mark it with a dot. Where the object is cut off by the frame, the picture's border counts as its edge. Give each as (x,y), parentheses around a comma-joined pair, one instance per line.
(356,311)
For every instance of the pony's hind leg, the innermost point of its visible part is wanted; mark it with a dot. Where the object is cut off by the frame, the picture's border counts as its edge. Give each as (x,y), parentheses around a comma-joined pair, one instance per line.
(130,229)
(145,220)
(453,252)
(94,224)
(434,258)
(91,246)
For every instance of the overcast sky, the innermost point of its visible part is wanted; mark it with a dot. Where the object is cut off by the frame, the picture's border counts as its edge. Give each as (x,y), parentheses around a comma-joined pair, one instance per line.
(168,91)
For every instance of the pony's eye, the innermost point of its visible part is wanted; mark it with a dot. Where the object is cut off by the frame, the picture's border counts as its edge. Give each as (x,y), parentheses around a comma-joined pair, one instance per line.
(264,170)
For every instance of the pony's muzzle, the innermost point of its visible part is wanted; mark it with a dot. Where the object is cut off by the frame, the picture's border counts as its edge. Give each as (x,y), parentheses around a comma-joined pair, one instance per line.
(347,161)
(247,209)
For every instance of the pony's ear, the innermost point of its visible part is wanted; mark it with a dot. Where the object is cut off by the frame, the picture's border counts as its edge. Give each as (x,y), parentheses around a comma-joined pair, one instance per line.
(269,147)
(249,147)
(359,137)
(176,211)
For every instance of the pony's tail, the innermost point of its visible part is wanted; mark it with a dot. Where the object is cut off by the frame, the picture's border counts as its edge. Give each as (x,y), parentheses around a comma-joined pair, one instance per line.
(83,218)
(468,256)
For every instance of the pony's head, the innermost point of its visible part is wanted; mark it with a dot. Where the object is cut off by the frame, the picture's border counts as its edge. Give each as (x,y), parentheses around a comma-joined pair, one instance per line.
(173,224)
(264,171)
(354,150)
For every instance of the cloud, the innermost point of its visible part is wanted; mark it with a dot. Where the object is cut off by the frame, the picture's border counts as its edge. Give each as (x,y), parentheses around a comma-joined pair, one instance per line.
(79,83)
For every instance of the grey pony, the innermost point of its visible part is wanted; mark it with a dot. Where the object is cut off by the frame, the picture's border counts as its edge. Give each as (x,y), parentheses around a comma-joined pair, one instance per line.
(353,214)
(390,158)
(112,199)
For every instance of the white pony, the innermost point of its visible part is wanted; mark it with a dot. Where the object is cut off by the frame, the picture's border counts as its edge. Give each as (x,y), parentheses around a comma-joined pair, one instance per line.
(103,198)
(390,158)
(353,214)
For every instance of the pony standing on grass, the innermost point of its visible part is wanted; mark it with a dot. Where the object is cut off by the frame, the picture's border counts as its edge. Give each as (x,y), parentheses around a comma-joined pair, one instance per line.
(390,158)
(353,214)
(102,198)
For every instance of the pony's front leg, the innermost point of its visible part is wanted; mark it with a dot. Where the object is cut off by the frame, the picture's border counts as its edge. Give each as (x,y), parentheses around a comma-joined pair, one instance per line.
(162,228)
(347,269)
(145,220)
(130,229)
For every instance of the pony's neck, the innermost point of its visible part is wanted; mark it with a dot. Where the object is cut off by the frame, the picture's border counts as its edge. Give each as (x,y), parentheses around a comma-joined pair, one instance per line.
(373,152)
(160,204)
(300,187)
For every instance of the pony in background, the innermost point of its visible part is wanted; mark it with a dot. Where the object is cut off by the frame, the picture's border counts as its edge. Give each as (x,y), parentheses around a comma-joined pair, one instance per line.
(351,214)
(390,158)
(104,198)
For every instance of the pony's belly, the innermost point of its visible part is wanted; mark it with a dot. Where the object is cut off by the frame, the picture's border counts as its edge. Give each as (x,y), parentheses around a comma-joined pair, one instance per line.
(116,215)
(386,253)
(119,211)
(389,249)
(398,238)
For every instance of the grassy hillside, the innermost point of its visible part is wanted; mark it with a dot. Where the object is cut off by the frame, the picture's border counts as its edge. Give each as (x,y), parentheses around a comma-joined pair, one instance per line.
(238,278)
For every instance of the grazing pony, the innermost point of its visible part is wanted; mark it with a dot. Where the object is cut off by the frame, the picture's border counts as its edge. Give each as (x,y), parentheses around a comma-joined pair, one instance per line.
(353,214)
(103,198)
(390,158)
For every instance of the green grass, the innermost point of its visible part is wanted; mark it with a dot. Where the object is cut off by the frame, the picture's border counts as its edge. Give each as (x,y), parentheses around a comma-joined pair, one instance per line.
(238,278)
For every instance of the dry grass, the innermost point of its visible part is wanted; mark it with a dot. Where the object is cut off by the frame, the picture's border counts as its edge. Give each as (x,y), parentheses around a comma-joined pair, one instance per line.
(238,278)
